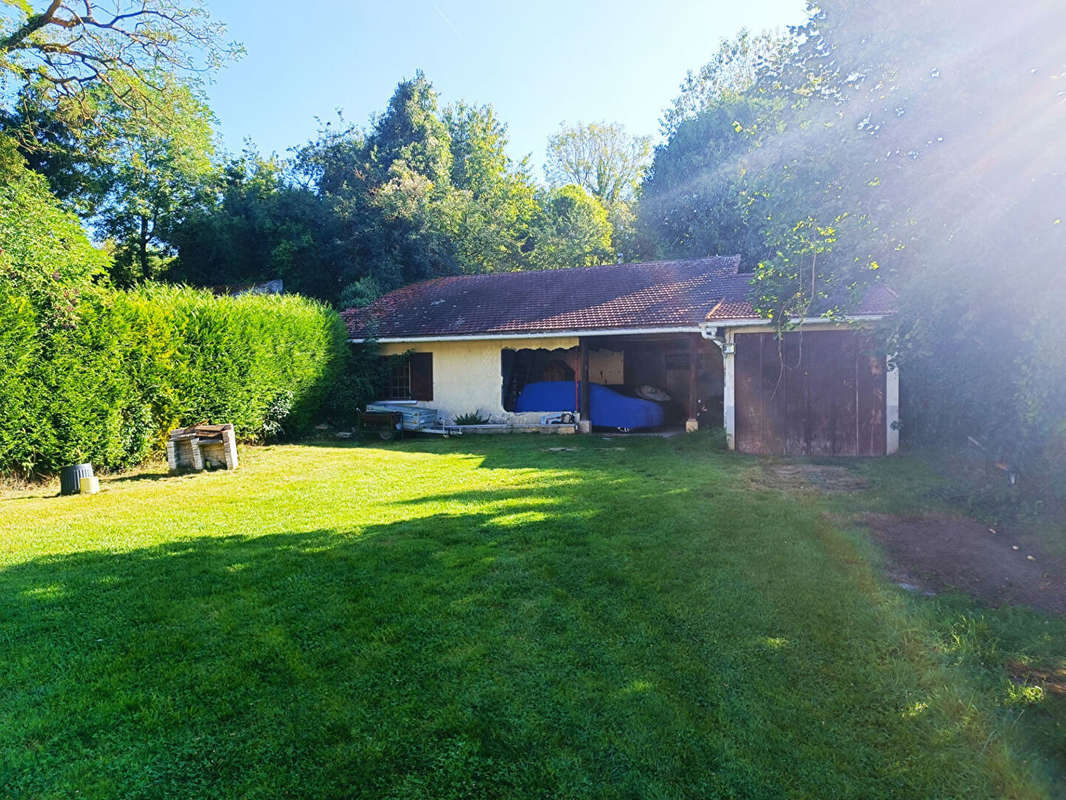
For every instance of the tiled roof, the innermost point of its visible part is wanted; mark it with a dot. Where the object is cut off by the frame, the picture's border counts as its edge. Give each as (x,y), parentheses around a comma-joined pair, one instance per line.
(656,294)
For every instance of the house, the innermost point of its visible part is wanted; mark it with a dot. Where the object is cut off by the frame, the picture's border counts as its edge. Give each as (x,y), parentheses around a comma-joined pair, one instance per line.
(685,328)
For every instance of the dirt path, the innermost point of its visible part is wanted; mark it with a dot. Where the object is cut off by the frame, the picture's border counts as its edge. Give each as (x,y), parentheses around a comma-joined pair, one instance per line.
(935,553)
(939,553)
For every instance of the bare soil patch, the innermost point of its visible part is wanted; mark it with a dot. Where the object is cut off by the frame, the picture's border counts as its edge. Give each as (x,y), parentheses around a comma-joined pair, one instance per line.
(942,553)
(825,477)
(1051,679)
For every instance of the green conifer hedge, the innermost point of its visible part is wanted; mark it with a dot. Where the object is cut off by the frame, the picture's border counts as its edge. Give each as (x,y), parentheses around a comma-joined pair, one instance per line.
(108,384)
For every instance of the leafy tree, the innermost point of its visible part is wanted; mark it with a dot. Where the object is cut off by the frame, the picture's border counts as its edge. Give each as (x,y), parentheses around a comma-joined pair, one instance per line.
(150,170)
(359,212)
(731,72)
(601,158)
(570,230)
(361,293)
(422,192)
(705,193)
(252,224)
(58,149)
(412,132)
(101,99)
(44,252)
(606,162)
(388,191)
(748,168)
(131,176)
(497,198)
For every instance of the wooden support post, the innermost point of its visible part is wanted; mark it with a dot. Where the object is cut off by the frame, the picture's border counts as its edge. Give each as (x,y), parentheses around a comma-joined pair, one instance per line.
(729,413)
(585,422)
(577,382)
(692,424)
(891,405)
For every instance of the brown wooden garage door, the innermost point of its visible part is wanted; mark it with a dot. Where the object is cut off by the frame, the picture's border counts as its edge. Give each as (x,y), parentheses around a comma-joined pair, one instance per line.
(822,393)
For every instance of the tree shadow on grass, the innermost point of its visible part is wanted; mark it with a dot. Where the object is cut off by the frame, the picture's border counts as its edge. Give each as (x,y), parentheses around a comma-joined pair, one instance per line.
(158,475)
(538,649)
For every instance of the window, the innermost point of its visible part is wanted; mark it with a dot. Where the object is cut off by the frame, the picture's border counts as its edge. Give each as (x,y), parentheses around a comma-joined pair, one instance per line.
(400,380)
(410,377)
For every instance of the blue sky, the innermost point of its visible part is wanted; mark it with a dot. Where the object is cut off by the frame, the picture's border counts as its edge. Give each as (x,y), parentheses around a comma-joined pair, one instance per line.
(538,63)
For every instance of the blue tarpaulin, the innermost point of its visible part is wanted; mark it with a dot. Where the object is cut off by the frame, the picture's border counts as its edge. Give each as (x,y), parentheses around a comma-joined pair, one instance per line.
(607,408)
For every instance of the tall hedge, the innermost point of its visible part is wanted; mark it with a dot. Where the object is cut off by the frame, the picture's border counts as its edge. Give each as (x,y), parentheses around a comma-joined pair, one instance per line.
(132,365)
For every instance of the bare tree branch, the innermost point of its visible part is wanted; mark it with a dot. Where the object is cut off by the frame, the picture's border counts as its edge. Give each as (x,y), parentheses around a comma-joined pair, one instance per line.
(31,26)
(68,50)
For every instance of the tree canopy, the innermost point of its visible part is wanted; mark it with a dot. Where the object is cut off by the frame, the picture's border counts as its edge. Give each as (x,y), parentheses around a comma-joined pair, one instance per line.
(72,51)
(913,145)
(423,191)
(44,251)
(608,163)
(601,158)
(732,71)
(571,229)
(496,197)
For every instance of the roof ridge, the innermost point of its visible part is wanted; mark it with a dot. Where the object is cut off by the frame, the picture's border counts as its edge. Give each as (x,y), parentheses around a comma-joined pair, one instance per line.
(735,259)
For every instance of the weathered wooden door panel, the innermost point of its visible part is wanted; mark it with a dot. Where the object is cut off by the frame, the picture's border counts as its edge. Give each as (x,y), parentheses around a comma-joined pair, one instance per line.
(810,393)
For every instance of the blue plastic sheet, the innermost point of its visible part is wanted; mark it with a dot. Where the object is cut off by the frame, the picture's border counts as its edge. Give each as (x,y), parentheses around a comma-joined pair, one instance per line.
(607,408)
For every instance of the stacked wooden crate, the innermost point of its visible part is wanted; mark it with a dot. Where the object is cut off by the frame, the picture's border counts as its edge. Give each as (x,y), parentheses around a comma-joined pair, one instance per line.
(202,447)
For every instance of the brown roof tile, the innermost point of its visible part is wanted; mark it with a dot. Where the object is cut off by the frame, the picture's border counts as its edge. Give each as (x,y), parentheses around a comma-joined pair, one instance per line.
(656,294)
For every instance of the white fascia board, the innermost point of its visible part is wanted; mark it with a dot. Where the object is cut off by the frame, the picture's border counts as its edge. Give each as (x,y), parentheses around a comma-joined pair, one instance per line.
(481,337)
(755,322)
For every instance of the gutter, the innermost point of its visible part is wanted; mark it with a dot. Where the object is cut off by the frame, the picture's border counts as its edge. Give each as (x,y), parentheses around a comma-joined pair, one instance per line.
(706,329)
(474,337)
(710,330)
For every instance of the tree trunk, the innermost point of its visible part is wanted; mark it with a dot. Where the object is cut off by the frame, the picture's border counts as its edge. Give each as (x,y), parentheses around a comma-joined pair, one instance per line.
(142,248)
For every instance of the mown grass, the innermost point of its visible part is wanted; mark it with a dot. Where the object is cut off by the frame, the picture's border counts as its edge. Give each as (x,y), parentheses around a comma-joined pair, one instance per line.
(489,617)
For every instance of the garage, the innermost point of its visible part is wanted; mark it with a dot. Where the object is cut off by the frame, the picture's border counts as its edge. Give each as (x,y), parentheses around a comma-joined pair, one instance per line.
(811,393)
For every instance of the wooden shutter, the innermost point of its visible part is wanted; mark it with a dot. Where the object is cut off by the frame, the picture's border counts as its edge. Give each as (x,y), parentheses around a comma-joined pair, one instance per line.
(421,376)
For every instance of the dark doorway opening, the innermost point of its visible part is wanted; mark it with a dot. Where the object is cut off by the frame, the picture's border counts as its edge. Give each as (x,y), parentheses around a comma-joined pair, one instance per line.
(664,362)
(521,367)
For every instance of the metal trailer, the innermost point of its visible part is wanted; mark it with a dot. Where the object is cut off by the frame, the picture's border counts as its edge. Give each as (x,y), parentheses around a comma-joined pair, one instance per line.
(395,417)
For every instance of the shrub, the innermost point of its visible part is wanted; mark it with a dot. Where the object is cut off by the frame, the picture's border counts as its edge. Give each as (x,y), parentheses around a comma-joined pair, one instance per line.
(361,380)
(132,365)
(472,418)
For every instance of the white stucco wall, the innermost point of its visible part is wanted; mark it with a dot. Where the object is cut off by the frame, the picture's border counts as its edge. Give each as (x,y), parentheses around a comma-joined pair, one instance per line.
(467,376)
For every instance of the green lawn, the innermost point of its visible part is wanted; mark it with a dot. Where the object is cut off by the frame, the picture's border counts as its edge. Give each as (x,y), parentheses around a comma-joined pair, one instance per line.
(486,617)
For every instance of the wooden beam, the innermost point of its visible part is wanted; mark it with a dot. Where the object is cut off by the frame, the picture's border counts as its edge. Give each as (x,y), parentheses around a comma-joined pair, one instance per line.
(891,405)
(583,351)
(693,357)
(692,423)
(729,412)
(575,357)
